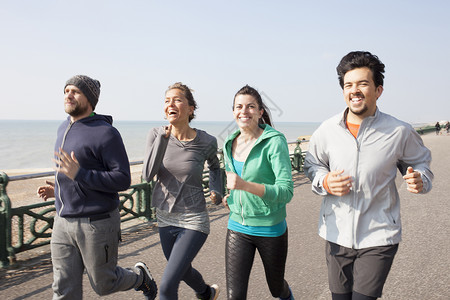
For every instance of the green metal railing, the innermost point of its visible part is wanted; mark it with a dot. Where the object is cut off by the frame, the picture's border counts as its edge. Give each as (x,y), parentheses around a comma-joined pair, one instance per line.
(298,157)
(27,227)
(425,129)
(32,224)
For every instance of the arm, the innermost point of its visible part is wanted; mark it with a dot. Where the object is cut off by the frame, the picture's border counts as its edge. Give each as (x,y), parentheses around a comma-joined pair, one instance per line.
(418,158)
(414,181)
(115,174)
(316,165)
(283,188)
(46,191)
(318,171)
(113,177)
(155,148)
(337,184)
(234,182)
(215,175)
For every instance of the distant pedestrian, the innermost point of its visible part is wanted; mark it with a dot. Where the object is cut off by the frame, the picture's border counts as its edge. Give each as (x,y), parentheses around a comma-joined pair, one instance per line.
(176,154)
(352,162)
(260,182)
(447,127)
(438,128)
(91,168)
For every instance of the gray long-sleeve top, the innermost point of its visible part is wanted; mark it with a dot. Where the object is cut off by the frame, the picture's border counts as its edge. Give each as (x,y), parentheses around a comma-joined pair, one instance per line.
(179,169)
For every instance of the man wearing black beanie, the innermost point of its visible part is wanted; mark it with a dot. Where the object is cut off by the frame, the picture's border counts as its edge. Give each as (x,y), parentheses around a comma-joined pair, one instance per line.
(90,87)
(91,168)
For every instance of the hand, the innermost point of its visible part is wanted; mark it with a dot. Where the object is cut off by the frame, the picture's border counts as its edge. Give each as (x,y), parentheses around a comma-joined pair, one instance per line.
(234,182)
(46,191)
(339,184)
(224,201)
(214,197)
(66,164)
(168,130)
(414,181)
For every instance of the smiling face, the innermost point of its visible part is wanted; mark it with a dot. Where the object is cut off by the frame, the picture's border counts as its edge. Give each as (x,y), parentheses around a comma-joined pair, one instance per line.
(177,108)
(76,103)
(360,94)
(246,111)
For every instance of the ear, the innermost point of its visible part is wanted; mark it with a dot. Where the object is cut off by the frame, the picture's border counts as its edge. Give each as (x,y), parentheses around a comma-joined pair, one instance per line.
(261,112)
(191,110)
(379,91)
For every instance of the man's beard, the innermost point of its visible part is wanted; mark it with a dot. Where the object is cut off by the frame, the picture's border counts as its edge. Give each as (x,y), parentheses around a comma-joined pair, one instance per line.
(362,111)
(76,111)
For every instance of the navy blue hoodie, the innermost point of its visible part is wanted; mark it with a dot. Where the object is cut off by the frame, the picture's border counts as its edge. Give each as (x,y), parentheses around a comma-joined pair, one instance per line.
(104,167)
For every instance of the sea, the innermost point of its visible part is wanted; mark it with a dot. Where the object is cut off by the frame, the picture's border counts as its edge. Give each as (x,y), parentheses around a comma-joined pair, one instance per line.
(30,144)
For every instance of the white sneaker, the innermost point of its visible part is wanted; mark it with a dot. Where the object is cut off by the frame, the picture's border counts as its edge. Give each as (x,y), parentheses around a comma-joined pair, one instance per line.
(214,292)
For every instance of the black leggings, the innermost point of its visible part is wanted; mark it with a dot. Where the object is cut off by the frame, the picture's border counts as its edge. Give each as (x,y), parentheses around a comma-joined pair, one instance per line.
(239,256)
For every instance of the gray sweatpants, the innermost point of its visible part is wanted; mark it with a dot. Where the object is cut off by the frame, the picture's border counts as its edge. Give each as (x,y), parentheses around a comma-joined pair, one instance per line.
(78,244)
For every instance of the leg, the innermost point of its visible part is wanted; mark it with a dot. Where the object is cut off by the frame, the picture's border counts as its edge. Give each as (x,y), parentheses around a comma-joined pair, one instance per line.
(358,296)
(273,252)
(340,262)
(180,246)
(371,269)
(347,296)
(99,244)
(239,256)
(67,263)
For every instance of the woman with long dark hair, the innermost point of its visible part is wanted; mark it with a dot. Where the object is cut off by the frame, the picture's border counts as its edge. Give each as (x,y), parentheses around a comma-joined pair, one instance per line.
(260,182)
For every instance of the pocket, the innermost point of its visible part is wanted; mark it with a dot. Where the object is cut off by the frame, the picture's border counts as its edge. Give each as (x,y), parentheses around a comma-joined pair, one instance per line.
(254,205)
(102,226)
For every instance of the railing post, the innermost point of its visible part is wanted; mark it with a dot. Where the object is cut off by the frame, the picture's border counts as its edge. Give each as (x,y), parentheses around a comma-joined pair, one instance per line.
(6,251)
(144,207)
(223,172)
(298,157)
(149,213)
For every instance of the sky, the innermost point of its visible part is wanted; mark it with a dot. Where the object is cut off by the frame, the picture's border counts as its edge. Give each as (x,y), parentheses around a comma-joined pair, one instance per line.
(288,50)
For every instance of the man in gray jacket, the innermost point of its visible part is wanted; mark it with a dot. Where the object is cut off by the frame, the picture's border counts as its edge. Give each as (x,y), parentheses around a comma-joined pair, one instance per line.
(352,161)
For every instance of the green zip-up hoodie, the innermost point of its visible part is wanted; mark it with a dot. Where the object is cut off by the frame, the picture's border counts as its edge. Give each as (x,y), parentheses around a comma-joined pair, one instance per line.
(268,163)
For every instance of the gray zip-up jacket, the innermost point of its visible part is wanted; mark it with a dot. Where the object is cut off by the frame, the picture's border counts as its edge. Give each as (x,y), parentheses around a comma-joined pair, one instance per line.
(179,169)
(369,215)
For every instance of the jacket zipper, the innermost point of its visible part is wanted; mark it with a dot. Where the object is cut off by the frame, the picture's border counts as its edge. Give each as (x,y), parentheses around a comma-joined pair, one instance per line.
(240,199)
(354,185)
(243,167)
(56,177)
(355,190)
(359,137)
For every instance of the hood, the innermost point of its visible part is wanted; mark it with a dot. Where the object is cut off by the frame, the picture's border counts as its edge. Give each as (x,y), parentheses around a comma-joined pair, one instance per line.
(95,118)
(268,132)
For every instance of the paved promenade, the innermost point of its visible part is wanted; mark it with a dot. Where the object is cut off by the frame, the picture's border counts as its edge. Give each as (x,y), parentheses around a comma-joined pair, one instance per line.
(421,268)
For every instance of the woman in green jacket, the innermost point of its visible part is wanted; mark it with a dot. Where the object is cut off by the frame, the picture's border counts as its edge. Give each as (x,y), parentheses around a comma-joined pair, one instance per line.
(260,183)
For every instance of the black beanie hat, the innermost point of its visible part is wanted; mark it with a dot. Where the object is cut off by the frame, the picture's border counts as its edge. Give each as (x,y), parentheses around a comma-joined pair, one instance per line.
(90,87)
